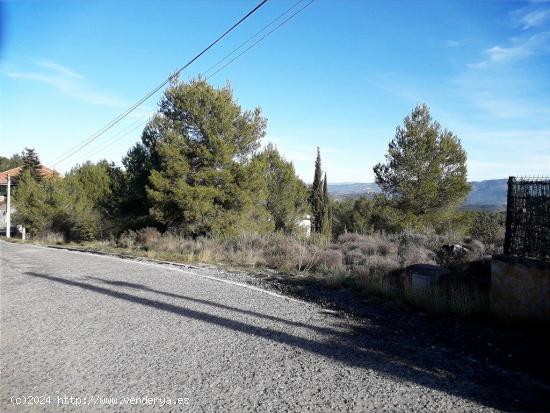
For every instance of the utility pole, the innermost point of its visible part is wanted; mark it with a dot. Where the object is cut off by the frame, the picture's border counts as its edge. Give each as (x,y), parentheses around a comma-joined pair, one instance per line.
(8,209)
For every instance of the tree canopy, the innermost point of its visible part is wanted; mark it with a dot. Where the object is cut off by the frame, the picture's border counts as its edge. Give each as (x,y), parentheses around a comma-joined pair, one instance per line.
(286,193)
(425,168)
(321,219)
(203,180)
(12,162)
(31,163)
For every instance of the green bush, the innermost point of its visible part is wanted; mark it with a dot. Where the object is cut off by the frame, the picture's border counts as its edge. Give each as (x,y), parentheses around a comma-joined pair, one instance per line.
(489,227)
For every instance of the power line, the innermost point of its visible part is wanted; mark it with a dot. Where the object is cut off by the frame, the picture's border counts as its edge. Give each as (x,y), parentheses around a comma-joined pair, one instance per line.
(252,37)
(155,90)
(130,128)
(118,136)
(260,39)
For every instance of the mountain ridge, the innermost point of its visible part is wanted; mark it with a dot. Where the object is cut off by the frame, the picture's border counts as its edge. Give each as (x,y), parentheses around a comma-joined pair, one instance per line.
(486,194)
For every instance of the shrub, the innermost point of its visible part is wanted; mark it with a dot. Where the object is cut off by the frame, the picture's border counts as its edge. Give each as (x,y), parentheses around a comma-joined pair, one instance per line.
(335,277)
(379,276)
(386,247)
(410,254)
(147,237)
(127,240)
(488,227)
(330,257)
(476,248)
(355,257)
(246,250)
(282,253)
(52,237)
(351,237)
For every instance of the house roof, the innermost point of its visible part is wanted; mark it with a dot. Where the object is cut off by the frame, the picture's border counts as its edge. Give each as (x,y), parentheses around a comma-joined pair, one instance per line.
(44,172)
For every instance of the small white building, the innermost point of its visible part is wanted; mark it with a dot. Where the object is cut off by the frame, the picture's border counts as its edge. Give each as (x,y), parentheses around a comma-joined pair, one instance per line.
(305,224)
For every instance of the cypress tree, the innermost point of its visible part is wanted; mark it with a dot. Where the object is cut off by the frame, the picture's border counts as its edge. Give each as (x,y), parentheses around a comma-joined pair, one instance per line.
(316,196)
(326,225)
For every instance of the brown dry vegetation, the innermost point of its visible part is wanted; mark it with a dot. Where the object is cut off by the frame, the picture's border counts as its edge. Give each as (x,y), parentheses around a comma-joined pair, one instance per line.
(370,264)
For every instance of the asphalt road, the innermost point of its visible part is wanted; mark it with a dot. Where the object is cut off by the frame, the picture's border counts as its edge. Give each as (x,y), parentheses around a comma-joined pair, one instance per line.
(119,335)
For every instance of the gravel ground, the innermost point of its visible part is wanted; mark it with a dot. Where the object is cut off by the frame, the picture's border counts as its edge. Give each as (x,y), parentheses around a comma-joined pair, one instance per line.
(93,328)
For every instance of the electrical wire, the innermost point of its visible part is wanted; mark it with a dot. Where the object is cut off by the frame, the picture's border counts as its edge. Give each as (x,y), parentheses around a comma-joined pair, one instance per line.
(118,137)
(116,120)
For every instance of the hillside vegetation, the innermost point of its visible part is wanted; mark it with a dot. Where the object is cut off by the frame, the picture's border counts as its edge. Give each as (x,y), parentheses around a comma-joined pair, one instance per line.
(200,187)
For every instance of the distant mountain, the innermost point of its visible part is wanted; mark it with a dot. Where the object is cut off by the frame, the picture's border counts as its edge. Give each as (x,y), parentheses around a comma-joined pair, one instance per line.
(489,194)
(352,189)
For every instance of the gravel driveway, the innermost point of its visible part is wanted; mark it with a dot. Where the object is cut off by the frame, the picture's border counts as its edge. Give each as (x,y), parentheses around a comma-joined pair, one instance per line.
(85,332)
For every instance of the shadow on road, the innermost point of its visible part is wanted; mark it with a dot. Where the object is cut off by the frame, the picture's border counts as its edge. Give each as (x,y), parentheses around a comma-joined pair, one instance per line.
(374,348)
(211,303)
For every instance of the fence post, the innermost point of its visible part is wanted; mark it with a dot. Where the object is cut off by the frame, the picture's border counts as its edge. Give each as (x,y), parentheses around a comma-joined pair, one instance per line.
(509,214)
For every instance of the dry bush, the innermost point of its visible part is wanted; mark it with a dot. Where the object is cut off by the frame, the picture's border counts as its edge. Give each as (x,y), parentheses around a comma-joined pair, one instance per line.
(476,248)
(127,240)
(282,253)
(408,237)
(172,243)
(330,258)
(352,237)
(426,238)
(147,237)
(245,241)
(414,254)
(378,276)
(335,277)
(382,266)
(386,247)
(52,237)
(355,257)
(368,244)
(248,256)
(189,249)
(307,256)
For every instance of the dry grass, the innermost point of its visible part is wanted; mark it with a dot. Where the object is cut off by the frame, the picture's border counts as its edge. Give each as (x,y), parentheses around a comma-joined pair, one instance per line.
(335,277)
(372,264)
(51,237)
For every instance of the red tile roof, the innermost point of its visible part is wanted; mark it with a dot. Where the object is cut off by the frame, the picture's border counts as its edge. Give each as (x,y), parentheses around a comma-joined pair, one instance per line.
(44,172)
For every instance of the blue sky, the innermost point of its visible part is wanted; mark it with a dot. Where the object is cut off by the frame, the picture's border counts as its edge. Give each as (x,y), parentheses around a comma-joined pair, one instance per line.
(341,75)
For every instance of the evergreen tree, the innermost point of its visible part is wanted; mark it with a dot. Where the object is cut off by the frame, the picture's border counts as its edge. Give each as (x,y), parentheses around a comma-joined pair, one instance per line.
(203,180)
(9,163)
(286,193)
(31,163)
(316,196)
(425,169)
(57,205)
(326,225)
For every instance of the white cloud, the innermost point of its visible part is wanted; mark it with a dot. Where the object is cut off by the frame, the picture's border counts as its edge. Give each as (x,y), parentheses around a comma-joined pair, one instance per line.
(68,82)
(532,18)
(520,49)
(56,67)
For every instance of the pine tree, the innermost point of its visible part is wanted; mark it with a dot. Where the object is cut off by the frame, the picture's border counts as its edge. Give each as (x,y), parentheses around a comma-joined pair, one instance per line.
(203,179)
(31,163)
(316,197)
(286,193)
(425,169)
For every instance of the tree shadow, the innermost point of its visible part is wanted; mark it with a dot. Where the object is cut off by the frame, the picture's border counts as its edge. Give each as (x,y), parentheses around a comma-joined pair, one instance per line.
(214,304)
(363,347)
